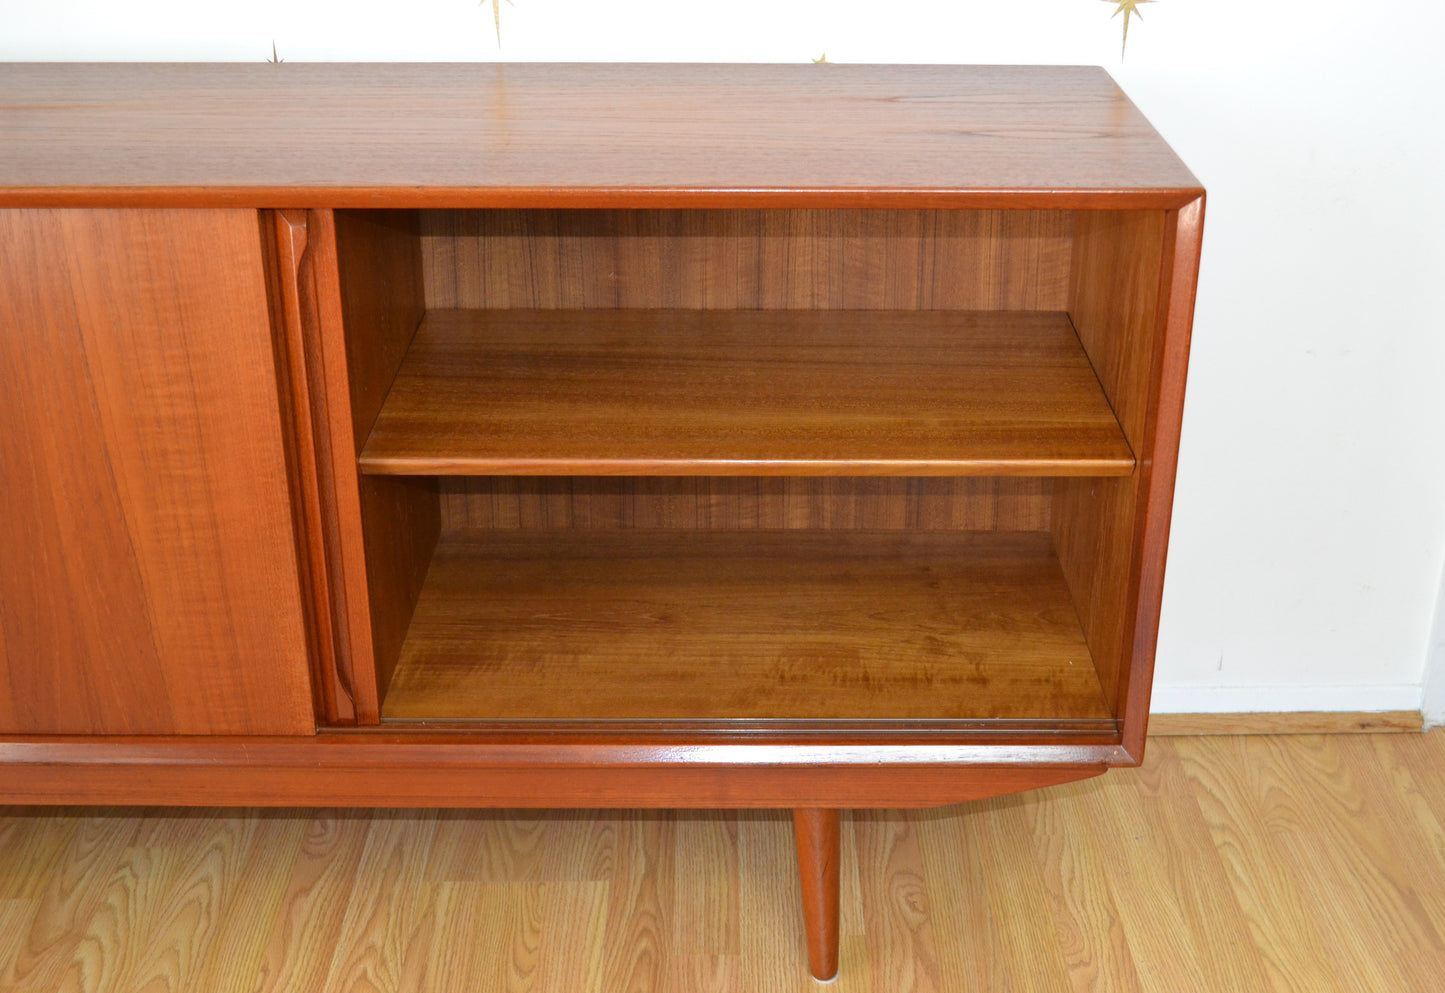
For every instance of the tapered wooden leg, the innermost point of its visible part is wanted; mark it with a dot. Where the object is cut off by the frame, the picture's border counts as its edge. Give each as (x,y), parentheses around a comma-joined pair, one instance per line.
(817,833)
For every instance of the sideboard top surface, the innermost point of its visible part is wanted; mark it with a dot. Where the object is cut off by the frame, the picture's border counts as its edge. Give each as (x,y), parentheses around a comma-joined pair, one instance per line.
(518,135)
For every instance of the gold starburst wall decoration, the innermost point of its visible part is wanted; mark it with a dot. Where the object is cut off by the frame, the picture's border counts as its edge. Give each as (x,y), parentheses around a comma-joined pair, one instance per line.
(496,16)
(1128,7)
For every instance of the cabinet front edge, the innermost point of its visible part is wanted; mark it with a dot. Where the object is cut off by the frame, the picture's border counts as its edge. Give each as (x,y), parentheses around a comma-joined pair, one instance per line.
(361,197)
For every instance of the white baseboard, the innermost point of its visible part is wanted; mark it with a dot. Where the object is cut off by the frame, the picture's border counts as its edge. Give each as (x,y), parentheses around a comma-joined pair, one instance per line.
(1186,698)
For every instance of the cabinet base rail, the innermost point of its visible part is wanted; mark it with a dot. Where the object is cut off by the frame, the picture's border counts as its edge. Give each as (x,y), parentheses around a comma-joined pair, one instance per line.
(386,770)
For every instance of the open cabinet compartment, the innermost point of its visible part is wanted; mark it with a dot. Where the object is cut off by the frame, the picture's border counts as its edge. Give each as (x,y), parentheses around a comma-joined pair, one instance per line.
(749,470)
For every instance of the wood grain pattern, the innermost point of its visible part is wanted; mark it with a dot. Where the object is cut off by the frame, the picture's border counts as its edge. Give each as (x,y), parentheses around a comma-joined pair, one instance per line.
(890,868)
(1178,277)
(1088,924)
(1161,833)
(1280,917)
(547,768)
(325,360)
(311,910)
(1094,523)
(1310,855)
(301,376)
(1120,299)
(708,923)
(1114,293)
(747,259)
(367,272)
(1293,864)
(1303,722)
(402,522)
(378,265)
(982,925)
(148,580)
(745,393)
(64,898)
(724,626)
(816,832)
(389,911)
(644,884)
(739,503)
(299,135)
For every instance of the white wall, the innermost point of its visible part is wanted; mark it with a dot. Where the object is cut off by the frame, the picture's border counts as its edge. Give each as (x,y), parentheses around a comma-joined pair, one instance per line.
(1310,518)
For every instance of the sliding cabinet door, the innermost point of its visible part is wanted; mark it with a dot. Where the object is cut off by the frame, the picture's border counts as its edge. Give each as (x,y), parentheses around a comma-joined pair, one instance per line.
(148,562)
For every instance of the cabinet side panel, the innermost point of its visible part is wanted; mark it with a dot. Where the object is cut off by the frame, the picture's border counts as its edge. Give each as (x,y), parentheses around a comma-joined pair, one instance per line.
(935,503)
(748,259)
(148,576)
(1178,276)
(403,519)
(379,280)
(1093,525)
(1114,304)
(379,266)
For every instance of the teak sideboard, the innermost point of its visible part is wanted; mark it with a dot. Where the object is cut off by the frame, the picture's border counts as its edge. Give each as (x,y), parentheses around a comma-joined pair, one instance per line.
(583,436)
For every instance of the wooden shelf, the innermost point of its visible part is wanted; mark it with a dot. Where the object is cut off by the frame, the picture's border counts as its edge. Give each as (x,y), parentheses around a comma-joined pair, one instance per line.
(688,626)
(671,392)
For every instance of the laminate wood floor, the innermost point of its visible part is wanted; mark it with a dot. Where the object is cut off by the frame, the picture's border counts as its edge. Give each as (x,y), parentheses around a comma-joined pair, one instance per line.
(1310,864)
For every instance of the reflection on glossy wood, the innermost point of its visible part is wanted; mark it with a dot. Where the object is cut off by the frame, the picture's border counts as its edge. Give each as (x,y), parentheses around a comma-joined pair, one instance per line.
(673,625)
(1297,864)
(148,576)
(746,393)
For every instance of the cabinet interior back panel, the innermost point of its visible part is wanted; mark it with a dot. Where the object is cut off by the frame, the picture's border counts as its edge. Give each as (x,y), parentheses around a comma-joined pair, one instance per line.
(748,259)
(936,503)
